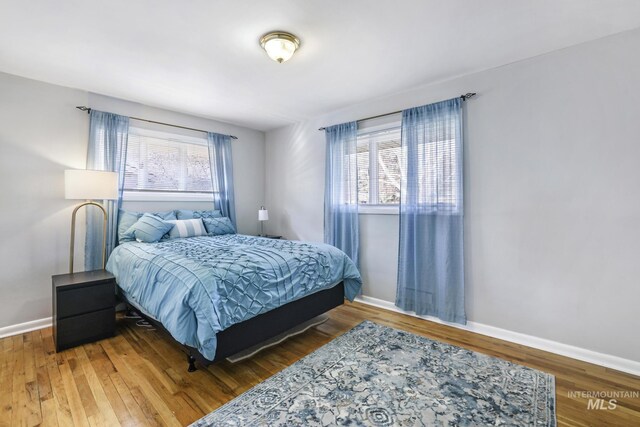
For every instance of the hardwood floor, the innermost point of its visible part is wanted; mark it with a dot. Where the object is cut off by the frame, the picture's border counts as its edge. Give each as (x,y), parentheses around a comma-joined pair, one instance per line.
(140,376)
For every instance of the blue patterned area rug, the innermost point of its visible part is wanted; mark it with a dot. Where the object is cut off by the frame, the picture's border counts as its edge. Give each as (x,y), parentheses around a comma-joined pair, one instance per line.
(378,376)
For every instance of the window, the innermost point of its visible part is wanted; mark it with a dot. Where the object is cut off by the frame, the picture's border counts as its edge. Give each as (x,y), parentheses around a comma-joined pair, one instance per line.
(437,165)
(379,159)
(162,165)
(381,165)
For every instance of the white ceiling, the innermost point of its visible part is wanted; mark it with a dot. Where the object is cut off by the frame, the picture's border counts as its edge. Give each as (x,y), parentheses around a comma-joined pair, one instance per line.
(202,56)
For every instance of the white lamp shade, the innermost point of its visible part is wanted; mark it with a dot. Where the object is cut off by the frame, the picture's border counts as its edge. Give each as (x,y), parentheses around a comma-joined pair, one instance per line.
(263,215)
(90,185)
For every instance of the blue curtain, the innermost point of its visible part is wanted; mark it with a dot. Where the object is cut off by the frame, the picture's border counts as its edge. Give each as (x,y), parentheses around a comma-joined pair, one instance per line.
(431,264)
(107,151)
(222,174)
(341,190)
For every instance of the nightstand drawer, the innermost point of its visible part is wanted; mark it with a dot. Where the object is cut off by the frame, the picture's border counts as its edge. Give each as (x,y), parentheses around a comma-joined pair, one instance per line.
(83,299)
(85,328)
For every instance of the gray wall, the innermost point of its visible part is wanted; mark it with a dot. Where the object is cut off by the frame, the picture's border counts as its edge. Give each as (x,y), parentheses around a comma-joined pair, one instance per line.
(41,135)
(552,199)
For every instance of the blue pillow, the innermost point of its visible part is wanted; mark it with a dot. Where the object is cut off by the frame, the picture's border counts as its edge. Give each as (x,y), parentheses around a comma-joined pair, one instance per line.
(127,218)
(189,214)
(218,226)
(149,228)
(167,215)
(187,228)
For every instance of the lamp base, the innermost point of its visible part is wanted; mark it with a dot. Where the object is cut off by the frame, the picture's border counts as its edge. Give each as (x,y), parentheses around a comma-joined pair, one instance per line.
(73,234)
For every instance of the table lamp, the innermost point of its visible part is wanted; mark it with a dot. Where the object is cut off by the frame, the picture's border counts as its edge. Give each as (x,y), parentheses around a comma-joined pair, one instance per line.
(89,185)
(263,215)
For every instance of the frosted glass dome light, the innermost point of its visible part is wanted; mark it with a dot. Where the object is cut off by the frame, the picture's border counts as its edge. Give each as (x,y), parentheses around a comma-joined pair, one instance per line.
(279,45)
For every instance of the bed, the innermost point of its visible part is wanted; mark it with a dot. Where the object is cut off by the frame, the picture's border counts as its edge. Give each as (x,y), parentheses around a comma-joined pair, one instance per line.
(217,295)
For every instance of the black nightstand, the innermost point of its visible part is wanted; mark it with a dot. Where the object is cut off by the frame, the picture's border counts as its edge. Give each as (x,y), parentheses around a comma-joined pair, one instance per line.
(84,308)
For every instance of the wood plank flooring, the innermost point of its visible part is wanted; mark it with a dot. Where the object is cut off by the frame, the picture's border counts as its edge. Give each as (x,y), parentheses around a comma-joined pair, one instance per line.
(140,376)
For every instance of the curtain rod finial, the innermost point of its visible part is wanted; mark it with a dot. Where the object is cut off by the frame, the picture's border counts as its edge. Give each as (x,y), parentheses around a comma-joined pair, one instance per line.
(83,108)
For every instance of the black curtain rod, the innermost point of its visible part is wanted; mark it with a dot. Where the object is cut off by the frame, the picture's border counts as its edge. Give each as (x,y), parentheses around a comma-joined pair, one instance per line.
(88,110)
(463,97)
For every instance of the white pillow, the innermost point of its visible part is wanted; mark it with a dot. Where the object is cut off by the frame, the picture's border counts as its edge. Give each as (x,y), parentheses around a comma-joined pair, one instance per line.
(187,228)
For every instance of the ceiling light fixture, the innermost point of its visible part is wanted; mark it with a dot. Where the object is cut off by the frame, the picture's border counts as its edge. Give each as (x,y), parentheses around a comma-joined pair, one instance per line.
(279,45)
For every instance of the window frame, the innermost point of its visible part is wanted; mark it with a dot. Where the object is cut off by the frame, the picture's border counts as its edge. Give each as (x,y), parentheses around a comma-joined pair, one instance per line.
(364,128)
(160,195)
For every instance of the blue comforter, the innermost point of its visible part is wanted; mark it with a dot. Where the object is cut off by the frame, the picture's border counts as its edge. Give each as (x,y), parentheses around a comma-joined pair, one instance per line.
(200,286)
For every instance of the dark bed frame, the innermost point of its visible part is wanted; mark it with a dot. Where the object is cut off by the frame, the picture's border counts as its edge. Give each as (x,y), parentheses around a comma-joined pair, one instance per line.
(267,325)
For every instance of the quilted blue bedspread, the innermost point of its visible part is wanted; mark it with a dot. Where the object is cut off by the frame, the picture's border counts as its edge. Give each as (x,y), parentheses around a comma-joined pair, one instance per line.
(199,286)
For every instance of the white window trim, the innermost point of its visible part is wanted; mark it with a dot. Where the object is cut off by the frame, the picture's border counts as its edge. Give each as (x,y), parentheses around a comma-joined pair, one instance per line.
(370,126)
(379,209)
(169,136)
(168,196)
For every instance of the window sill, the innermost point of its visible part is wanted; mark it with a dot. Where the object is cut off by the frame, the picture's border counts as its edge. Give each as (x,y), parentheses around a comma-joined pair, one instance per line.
(378,210)
(140,196)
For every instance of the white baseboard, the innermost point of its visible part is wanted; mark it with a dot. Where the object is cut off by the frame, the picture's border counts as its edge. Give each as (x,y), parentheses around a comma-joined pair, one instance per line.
(21,328)
(607,360)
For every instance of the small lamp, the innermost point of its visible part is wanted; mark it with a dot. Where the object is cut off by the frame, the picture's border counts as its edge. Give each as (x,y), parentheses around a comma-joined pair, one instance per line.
(89,185)
(263,215)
